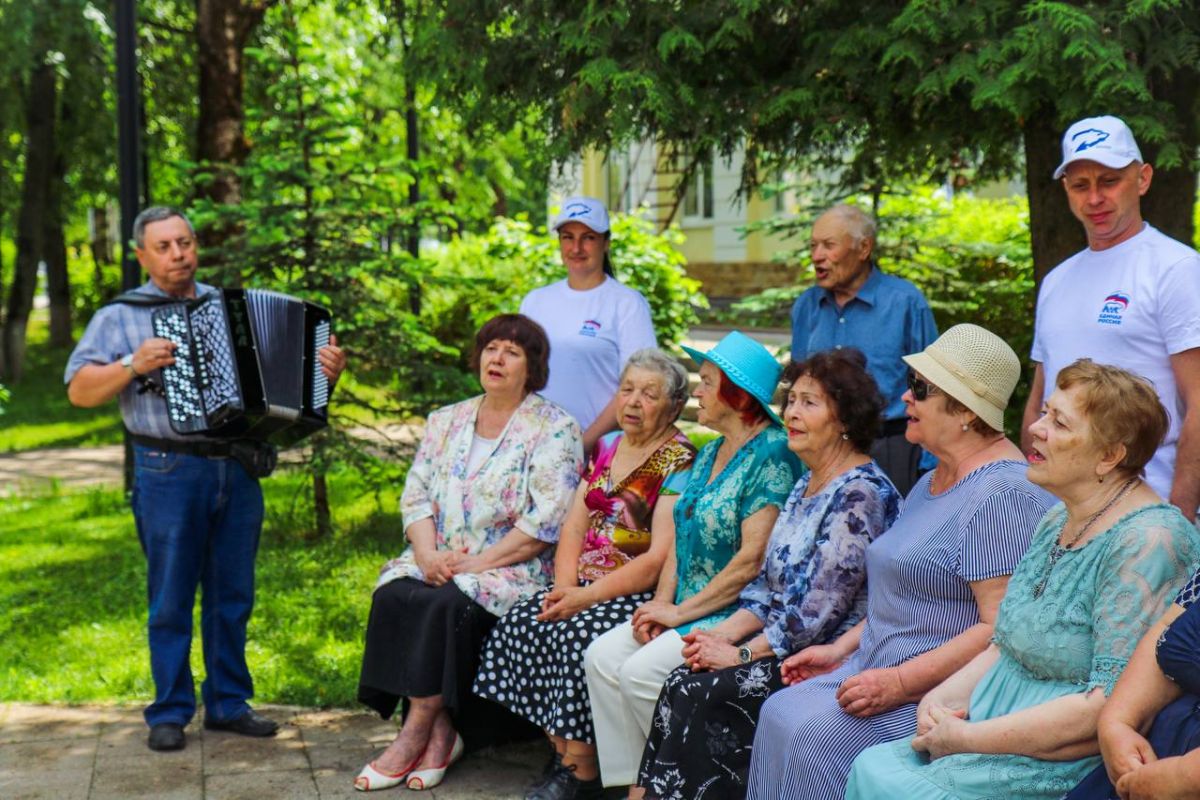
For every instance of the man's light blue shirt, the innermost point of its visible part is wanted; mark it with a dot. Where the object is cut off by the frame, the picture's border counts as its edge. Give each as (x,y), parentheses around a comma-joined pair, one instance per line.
(887,319)
(115,331)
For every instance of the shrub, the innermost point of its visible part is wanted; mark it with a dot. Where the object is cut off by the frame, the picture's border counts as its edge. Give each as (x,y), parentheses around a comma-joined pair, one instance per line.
(477,277)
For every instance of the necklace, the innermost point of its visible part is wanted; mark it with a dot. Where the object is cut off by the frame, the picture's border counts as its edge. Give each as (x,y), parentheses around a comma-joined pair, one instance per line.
(1059,550)
(812,490)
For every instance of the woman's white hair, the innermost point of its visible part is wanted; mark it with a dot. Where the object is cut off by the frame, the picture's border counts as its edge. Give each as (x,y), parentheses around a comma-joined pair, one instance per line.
(674,376)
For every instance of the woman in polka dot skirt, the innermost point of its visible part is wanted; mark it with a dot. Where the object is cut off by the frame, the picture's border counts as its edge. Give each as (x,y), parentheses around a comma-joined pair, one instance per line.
(612,547)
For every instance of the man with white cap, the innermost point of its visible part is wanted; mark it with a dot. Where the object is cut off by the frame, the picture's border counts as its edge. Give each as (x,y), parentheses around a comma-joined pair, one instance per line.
(594,322)
(1131,299)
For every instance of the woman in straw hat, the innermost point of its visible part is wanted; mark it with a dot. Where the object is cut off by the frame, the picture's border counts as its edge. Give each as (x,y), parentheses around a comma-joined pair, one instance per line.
(936,579)
(723,518)
(1021,717)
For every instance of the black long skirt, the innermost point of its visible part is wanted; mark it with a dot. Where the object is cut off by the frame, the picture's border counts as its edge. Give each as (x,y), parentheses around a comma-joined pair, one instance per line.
(704,723)
(423,641)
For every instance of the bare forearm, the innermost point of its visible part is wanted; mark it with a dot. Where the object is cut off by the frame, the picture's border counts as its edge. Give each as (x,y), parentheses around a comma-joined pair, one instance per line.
(927,670)
(1063,729)
(956,690)
(1143,690)
(738,626)
(723,589)
(422,536)
(638,575)
(96,384)
(1185,488)
(514,548)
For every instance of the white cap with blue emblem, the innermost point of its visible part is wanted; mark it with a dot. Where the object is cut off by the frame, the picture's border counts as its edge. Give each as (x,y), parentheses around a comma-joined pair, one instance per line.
(588,210)
(1105,140)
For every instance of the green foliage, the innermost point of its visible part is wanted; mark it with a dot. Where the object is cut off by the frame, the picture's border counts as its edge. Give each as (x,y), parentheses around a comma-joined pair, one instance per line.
(38,413)
(477,277)
(73,606)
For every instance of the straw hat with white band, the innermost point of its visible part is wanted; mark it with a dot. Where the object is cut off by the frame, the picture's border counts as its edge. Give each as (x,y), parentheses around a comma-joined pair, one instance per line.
(975,367)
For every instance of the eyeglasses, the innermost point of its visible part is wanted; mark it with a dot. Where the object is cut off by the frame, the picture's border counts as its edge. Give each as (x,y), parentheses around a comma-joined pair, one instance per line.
(920,388)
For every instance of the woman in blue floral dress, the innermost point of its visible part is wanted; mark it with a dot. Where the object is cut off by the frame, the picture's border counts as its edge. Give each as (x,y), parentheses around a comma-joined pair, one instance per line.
(812,588)
(1019,721)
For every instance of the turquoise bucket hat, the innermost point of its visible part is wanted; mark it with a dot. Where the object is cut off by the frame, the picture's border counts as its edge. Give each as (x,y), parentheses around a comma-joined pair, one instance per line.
(748,364)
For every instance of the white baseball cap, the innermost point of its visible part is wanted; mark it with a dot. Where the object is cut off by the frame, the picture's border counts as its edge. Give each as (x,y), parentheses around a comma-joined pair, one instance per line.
(588,210)
(1105,140)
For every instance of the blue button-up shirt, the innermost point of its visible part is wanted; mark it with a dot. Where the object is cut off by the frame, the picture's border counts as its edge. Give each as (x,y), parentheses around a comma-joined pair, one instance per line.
(888,318)
(114,332)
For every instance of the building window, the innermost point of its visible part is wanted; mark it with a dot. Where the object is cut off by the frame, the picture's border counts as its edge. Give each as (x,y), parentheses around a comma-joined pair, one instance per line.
(698,197)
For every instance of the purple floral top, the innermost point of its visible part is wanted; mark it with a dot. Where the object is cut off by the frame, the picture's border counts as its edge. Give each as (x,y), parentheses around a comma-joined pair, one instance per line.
(526,483)
(813,585)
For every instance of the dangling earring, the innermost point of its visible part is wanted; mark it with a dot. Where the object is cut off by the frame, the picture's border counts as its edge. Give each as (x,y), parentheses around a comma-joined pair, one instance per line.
(1100,479)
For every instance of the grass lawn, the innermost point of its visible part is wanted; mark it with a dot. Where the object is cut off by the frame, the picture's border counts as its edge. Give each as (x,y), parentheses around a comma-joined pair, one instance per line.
(73,605)
(39,415)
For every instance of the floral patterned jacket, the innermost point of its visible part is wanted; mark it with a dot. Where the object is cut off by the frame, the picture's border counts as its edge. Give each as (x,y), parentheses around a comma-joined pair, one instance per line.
(526,483)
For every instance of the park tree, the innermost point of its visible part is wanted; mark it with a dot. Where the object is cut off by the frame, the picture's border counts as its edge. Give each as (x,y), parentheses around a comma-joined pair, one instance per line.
(877,93)
(54,59)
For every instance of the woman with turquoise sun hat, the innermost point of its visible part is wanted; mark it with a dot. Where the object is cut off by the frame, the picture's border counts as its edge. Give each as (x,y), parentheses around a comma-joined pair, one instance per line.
(723,519)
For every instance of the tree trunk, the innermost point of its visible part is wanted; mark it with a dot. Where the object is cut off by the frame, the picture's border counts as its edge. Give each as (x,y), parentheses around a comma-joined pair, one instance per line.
(323,517)
(40,104)
(222,29)
(1053,230)
(1170,203)
(54,254)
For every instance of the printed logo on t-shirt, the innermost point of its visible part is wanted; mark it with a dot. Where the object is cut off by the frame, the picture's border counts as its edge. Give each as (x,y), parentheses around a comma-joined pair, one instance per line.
(1114,305)
(590,328)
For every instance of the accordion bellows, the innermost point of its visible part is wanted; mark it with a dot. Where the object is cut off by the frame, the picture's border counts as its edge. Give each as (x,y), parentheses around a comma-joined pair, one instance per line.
(246,365)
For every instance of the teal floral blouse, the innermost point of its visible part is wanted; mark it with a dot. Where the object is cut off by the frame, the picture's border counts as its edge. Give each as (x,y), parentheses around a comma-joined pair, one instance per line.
(709,516)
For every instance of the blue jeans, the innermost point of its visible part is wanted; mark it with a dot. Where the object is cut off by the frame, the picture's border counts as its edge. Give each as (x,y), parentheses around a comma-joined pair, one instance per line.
(198,521)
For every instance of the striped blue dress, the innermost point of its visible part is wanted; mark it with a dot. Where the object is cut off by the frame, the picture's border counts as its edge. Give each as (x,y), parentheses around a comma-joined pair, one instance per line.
(919,597)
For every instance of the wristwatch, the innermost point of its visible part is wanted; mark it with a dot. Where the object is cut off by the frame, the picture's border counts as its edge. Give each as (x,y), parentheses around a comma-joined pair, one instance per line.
(127,363)
(745,654)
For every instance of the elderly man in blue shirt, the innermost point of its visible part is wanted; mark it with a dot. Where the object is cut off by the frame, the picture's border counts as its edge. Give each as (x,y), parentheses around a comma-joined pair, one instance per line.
(853,304)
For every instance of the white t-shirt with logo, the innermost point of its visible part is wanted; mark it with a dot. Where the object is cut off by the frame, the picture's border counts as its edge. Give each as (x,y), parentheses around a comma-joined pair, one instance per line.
(1133,305)
(592,333)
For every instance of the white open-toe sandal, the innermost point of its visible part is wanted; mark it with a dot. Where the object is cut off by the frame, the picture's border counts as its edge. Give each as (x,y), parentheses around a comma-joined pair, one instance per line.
(429,778)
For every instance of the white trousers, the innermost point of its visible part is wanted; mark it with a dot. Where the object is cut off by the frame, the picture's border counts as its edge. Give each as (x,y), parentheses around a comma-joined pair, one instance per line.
(624,679)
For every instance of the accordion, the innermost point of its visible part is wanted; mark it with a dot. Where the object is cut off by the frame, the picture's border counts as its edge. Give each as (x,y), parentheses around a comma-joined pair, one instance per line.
(246,365)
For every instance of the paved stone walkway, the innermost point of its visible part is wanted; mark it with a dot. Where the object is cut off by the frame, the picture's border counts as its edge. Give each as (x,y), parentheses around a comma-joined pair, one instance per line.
(100,753)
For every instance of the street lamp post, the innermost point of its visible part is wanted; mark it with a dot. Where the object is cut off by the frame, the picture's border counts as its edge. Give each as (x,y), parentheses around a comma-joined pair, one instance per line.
(129,159)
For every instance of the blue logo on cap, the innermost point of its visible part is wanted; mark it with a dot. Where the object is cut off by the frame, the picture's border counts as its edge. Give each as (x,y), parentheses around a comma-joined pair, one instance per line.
(1100,136)
(577,210)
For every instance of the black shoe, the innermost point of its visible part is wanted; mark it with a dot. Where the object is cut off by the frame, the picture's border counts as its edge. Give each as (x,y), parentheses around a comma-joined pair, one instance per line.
(249,724)
(563,785)
(553,765)
(166,736)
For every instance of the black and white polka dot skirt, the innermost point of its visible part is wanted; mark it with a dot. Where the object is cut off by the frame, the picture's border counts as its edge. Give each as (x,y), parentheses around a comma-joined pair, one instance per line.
(535,669)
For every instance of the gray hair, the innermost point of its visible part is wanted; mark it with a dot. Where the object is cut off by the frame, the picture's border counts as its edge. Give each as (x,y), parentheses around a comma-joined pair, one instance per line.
(674,376)
(156,214)
(859,224)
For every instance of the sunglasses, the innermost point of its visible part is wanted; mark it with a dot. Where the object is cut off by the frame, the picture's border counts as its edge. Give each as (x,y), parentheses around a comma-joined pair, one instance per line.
(920,388)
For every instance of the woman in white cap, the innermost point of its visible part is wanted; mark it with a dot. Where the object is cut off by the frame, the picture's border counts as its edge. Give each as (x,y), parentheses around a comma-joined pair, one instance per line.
(934,581)
(593,321)
(1021,718)
(723,520)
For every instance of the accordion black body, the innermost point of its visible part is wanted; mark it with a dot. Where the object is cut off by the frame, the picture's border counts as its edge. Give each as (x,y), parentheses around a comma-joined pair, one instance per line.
(246,365)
